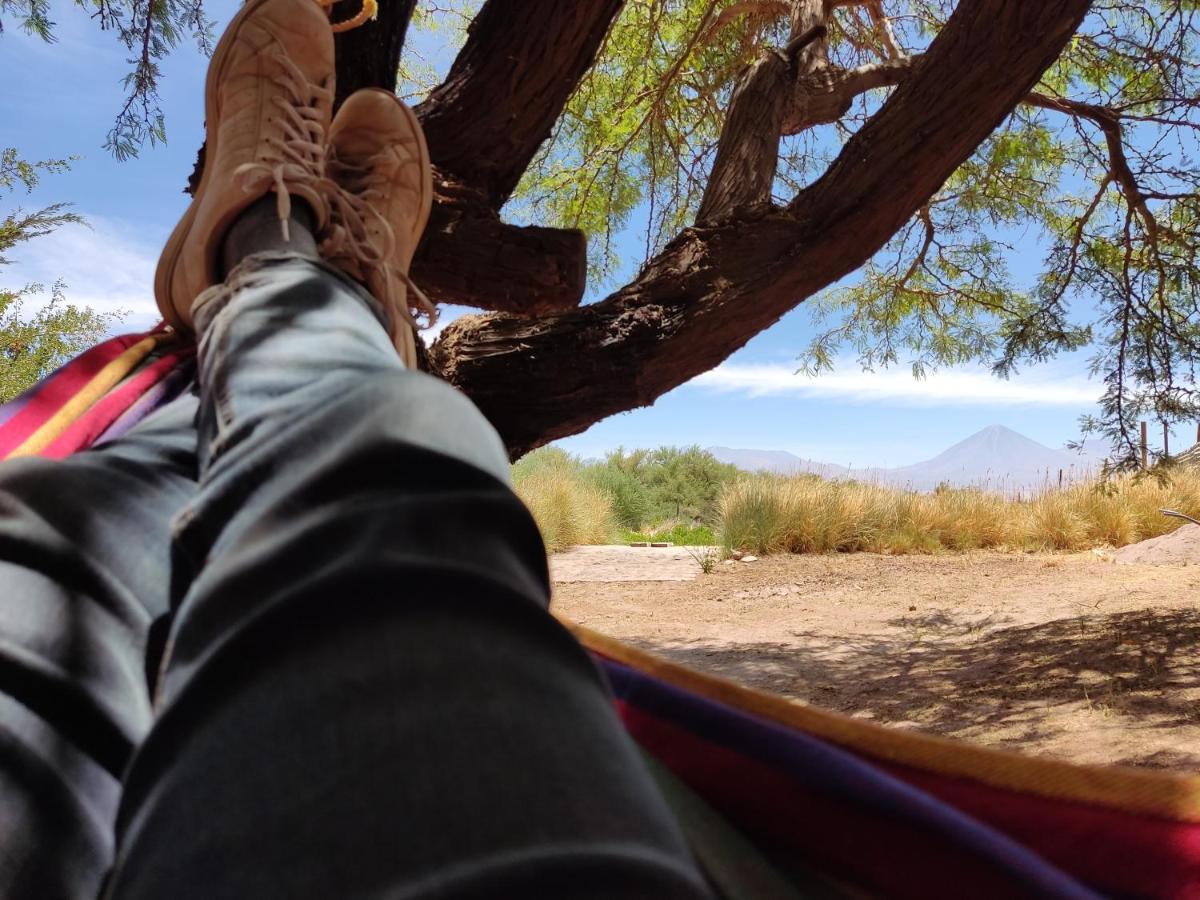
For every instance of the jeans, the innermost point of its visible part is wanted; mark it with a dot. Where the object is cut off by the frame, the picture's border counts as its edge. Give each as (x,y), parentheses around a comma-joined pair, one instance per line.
(288,637)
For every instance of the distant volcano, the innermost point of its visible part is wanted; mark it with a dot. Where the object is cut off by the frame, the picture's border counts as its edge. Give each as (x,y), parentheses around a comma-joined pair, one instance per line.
(997,458)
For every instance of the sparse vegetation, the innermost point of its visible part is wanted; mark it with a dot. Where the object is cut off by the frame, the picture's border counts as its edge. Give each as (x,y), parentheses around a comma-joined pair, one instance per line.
(806,514)
(668,494)
(706,558)
(632,496)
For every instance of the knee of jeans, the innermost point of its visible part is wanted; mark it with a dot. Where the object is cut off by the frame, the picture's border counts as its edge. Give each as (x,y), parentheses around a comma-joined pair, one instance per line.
(416,408)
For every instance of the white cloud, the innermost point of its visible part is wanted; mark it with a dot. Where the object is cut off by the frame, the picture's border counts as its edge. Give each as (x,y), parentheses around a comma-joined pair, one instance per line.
(106,265)
(947,386)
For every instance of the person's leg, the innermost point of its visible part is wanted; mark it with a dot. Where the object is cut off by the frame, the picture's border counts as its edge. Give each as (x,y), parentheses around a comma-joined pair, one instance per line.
(84,565)
(365,694)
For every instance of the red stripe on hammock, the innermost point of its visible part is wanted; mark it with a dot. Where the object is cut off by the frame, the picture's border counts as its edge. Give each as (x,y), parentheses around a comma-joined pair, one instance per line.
(85,430)
(57,390)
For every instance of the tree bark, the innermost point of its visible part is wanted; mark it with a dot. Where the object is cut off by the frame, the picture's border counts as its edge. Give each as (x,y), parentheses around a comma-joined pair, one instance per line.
(748,150)
(713,288)
(469,257)
(508,86)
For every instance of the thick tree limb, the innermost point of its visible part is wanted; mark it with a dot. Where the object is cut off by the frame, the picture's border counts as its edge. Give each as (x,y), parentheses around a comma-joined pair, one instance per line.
(748,151)
(712,289)
(469,257)
(508,85)
(826,95)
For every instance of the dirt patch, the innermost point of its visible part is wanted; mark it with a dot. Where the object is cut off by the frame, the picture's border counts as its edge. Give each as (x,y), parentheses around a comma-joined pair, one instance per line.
(1062,655)
(1180,547)
(617,562)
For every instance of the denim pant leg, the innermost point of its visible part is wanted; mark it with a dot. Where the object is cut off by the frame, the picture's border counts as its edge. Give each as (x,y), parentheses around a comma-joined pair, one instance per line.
(84,563)
(364,694)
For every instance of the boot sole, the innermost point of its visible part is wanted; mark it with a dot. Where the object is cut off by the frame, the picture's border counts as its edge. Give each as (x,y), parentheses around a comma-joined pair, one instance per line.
(165,272)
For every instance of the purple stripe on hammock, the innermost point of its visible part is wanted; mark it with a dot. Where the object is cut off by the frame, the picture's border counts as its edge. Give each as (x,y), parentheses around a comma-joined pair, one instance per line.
(818,765)
(14,406)
(166,390)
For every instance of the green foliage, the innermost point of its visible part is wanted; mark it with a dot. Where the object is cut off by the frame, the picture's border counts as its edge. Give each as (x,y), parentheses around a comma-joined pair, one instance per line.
(668,494)
(18,225)
(31,346)
(149,31)
(642,126)
(681,484)
(631,498)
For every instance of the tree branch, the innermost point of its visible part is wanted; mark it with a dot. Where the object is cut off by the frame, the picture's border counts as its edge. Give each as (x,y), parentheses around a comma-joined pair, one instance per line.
(370,56)
(469,257)
(1109,122)
(748,149)
(713,288)
(508,85)
(825,95)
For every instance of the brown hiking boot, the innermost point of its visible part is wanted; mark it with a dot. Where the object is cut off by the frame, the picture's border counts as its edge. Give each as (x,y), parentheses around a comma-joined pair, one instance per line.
(268,100)
(379,166)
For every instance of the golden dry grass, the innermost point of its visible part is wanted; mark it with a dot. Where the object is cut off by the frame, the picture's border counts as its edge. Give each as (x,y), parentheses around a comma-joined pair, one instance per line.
(568,510)
(805,514)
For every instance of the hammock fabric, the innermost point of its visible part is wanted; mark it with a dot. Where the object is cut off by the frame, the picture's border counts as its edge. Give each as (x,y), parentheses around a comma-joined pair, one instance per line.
(777,798)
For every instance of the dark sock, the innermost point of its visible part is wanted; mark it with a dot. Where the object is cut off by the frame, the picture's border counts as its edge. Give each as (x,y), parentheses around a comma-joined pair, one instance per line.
(257,230)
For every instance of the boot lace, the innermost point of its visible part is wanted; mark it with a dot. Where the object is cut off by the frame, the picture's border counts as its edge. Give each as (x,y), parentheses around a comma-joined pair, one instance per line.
(362,241)
(293,160)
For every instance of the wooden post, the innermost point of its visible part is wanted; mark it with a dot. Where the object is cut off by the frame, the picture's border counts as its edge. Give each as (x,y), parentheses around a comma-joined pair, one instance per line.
(1060,479)
(1145,462)
(1166,441)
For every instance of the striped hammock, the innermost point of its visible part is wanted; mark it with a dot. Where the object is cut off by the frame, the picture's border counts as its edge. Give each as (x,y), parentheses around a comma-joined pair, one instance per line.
(777,798)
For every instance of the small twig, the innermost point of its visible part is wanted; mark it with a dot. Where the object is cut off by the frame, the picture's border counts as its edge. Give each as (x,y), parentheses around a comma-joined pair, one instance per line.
(1178,515)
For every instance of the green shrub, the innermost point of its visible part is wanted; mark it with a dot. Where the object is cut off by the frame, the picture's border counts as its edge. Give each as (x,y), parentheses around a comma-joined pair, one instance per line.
(630,499)
(679,484)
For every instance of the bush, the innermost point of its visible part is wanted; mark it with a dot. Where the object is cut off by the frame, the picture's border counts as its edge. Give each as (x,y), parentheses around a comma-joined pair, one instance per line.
(672,483)
(630,499)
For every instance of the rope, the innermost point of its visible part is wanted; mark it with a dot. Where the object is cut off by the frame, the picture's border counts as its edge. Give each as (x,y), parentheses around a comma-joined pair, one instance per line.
(370,10)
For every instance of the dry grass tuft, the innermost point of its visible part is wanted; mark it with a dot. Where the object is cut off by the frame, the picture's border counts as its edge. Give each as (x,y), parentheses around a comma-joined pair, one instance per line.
(567,509)
(806,514)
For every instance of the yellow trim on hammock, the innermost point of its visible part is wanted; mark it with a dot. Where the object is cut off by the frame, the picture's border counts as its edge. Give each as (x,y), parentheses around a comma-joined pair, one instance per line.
(1175,797)
(102,382)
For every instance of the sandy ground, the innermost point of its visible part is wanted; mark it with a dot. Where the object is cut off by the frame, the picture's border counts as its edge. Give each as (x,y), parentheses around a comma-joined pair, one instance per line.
(620,563)
(1064,655)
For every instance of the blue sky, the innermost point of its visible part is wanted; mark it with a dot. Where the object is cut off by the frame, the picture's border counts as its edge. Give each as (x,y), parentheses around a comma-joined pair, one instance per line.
(60,100)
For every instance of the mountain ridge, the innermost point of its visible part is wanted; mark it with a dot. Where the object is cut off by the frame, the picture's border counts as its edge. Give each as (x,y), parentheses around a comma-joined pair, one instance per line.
(996,457)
